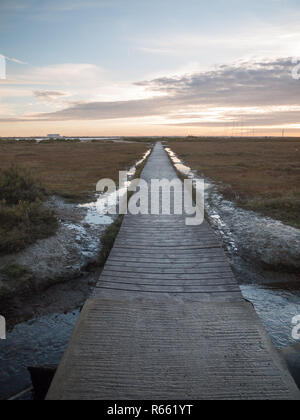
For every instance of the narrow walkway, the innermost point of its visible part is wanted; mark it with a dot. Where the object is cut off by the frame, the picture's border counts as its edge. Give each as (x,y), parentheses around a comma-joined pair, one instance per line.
(167,320)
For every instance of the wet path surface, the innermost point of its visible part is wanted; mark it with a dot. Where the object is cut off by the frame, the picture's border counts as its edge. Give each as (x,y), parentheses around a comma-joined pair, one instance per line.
(168,320)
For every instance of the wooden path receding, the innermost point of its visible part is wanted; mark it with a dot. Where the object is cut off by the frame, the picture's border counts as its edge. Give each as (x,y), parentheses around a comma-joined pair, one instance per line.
(167,320)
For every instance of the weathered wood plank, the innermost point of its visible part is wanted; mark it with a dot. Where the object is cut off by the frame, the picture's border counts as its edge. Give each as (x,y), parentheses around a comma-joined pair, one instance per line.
(137,350)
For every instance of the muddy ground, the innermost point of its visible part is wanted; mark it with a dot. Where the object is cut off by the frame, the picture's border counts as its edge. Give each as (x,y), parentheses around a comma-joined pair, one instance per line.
(57,267)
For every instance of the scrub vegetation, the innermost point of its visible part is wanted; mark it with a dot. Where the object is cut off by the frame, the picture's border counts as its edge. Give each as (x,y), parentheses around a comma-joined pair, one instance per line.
(30,171)
(70,168)
(258,174)
(23,217)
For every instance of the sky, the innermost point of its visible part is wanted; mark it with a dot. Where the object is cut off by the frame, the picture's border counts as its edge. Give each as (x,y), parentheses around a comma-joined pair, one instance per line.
(141,67)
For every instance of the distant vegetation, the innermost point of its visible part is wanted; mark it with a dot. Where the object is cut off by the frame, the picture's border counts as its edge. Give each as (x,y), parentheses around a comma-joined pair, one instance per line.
(23,218)
(258,174)
(69,168)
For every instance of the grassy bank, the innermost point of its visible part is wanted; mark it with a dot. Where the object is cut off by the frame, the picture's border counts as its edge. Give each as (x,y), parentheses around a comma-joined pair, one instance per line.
(260,175)
(23,218)
(70,168)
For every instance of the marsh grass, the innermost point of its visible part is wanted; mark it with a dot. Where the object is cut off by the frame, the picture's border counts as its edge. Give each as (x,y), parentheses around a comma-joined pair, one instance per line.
(70,168)
(262,175)
(23,218)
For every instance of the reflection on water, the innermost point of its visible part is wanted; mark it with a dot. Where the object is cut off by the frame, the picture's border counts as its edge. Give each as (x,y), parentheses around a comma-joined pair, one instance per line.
(179,165)
(276,309)
(36,342)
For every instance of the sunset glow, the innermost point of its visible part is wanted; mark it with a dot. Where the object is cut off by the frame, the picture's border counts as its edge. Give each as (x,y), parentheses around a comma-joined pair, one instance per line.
(99,68)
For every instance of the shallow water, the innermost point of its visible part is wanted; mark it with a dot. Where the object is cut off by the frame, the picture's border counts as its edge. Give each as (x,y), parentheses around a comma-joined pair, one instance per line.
(276,308)
(99,213)
(102,210)
(36,342)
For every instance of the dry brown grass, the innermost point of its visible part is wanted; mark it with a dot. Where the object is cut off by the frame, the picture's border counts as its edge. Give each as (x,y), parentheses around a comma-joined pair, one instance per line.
(70,169)
(260,175)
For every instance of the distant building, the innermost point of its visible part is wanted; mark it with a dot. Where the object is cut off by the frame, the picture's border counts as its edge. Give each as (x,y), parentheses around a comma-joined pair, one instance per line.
(54,136)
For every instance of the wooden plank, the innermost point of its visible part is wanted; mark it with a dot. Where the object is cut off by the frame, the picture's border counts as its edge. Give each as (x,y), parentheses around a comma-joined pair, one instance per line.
(146,350)
(168,283)
(168,270)
(173,276)
(139,287)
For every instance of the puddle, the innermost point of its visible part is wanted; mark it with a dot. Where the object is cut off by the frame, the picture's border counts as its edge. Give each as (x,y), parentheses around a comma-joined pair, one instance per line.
(248,238)
(179,165)
(100,211)
(276,309)
(37,342)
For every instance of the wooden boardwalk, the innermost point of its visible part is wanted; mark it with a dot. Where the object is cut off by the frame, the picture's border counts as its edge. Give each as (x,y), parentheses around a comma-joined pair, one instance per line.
(167,320)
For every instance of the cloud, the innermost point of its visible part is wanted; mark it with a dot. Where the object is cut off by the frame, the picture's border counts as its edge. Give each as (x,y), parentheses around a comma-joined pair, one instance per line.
(252,92)
(209,44)
(66,74)
(243,84)
(273,118)
(49,95)
(110,110)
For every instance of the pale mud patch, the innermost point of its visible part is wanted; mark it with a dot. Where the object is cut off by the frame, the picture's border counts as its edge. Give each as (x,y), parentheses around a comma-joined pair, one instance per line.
(57,258)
